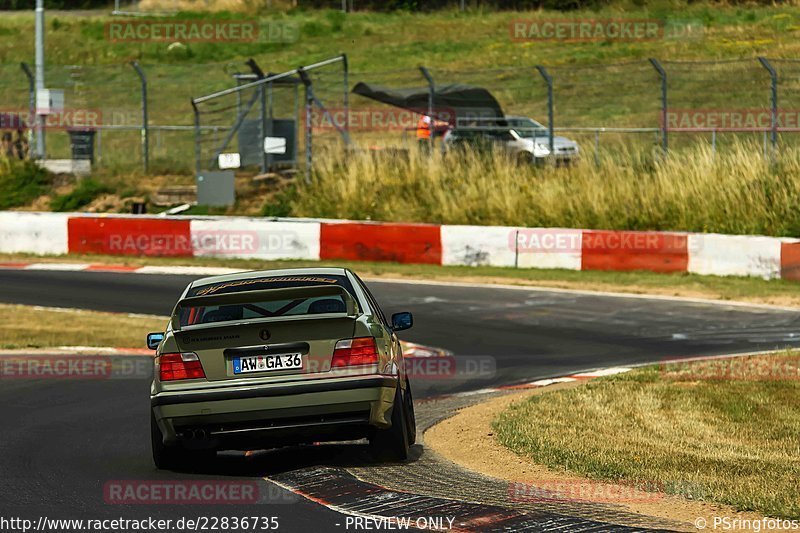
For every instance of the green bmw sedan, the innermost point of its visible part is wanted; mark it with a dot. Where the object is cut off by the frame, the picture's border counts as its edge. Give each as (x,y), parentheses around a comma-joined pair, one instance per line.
(271,358)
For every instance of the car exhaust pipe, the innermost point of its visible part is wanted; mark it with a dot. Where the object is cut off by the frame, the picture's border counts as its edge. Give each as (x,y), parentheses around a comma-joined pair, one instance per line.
(195,434)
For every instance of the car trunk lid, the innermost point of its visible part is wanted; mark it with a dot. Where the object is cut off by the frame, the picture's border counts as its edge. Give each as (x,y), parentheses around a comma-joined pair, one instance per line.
(265,347)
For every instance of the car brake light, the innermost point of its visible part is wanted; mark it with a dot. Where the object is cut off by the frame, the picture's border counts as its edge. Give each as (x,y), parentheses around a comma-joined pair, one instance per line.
(358,351)
(174,366)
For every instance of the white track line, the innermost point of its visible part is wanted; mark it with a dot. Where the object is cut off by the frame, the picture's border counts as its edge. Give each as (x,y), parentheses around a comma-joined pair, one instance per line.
(586,292)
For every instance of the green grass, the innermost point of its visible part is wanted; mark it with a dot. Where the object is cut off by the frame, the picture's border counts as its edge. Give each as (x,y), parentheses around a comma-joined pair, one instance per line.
(29,327)
(722,288)
(457,47)
(732,441)
(404,39)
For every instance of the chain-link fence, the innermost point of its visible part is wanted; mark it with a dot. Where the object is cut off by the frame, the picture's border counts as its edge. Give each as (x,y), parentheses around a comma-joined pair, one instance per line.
(258,122)
(644,106)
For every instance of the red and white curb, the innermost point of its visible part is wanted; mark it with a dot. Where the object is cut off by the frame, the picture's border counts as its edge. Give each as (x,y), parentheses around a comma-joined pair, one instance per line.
(605,372)
(121,269)
(350,240)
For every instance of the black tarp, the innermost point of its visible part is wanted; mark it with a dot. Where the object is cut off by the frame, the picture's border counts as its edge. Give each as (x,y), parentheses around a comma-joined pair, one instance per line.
(455,103)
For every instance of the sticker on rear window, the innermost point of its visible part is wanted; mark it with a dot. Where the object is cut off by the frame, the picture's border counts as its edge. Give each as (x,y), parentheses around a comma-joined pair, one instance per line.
(266,283)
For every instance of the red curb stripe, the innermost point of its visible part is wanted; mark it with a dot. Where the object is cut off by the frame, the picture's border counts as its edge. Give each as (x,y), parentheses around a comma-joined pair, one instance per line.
(790,260)
(634,250)
(398,243)
(112,268)
(15,265)
(127,236)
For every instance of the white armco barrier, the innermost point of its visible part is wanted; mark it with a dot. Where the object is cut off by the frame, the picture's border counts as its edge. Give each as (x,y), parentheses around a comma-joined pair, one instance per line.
(507,246)
(253,238)
(734,255)
(33,233)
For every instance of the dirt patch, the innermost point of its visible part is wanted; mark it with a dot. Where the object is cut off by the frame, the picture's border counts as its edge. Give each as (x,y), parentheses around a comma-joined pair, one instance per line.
(468,440)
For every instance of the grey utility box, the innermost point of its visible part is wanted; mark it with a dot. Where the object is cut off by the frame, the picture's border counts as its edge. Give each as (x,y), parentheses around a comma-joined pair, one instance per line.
(216,188)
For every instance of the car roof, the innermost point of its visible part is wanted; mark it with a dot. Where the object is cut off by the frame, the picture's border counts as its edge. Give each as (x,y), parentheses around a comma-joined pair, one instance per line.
(311,271)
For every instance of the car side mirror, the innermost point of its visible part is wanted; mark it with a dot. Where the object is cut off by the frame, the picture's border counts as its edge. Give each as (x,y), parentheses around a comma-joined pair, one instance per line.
(154,339)
(401,321)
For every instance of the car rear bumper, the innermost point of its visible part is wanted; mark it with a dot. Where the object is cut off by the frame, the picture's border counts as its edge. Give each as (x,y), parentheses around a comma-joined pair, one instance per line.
(279,413)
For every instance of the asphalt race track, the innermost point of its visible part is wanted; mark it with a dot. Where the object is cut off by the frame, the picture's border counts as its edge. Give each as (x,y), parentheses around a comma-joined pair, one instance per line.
(62,441)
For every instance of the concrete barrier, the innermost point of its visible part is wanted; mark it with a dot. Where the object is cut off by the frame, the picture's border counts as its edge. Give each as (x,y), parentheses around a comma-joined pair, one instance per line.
(33,233)
(310,239)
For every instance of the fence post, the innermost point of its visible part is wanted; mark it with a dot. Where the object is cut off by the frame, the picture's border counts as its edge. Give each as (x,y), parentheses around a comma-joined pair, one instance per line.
(597,147)
(664,130)
(431,96)
(346,81)
(773,76)
(197,163)
(549,81)
(270,118)
(145,126)
(32,149)
(714,143)
(309,90)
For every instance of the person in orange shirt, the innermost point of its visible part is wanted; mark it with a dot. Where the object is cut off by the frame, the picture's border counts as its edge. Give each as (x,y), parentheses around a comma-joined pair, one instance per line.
(424,130)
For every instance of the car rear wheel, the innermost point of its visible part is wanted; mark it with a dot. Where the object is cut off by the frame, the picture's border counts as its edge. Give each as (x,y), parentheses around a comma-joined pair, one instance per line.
(393,443)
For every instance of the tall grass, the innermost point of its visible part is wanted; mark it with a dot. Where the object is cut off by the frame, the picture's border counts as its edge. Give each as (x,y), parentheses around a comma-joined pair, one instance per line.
(21,182)
(737,191)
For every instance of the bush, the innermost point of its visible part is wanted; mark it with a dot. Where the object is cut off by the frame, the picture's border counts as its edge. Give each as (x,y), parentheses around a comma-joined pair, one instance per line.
(86,191)
(21,182)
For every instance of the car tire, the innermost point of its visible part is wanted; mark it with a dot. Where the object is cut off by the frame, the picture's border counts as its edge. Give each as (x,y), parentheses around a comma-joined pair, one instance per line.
(165,457)
(393,443)
(411,418)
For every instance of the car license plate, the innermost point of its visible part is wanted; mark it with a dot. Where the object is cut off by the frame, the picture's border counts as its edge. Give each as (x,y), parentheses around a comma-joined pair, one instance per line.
(266,363)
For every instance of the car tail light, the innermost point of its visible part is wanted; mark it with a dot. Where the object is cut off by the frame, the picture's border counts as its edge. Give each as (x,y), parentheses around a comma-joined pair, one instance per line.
(358,351)
(174,366)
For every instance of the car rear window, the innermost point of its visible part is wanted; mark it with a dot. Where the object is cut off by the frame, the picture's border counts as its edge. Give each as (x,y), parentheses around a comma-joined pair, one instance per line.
(272,308)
